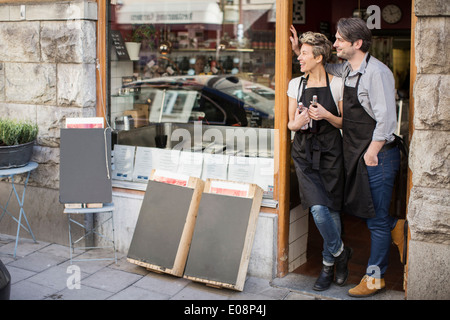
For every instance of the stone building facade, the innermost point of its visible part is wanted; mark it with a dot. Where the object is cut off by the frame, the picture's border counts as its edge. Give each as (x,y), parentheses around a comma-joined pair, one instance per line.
(48,72)
(429,201)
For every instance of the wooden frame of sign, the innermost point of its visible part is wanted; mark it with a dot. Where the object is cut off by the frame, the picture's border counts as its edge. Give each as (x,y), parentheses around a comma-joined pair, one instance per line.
(166,223)
(223,237)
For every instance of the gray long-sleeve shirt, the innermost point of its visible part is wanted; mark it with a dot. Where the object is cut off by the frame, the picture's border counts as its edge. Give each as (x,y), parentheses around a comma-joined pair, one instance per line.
(376,93)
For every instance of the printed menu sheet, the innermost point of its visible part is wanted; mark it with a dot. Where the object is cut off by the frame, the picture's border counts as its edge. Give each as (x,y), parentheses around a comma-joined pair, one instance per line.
(215,166)
(143,164)
(123,162)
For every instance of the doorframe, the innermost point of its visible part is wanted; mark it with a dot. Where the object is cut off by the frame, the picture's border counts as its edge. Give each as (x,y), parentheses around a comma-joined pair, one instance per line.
(102,47)
(413,75)
(282,156)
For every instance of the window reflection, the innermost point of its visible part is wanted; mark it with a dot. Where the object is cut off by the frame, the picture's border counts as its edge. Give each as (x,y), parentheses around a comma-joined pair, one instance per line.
(197,60)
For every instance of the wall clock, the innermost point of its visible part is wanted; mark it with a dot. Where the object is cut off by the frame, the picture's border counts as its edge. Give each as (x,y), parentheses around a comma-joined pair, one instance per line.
(391,13)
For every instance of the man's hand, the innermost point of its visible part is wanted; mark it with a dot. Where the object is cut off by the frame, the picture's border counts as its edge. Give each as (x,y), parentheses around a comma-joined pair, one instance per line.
(371,155)
(371,159)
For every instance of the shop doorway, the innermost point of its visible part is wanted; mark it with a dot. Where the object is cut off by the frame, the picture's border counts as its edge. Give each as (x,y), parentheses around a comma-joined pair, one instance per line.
(392,47)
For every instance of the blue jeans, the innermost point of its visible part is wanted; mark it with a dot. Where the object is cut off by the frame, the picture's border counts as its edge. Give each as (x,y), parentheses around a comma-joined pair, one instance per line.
(329,224)
(381,180)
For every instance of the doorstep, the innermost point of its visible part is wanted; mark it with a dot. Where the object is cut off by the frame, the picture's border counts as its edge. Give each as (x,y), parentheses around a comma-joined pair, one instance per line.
(304,284)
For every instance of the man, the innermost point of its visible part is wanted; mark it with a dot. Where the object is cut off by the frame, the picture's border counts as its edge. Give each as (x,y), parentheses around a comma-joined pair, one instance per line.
(371,156)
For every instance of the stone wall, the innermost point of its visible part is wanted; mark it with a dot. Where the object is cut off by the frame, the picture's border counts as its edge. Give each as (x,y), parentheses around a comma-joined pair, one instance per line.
(47,73)
(429,203)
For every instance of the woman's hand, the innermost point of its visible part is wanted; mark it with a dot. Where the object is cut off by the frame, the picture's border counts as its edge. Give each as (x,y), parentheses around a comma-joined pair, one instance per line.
(318,112)
(300,119)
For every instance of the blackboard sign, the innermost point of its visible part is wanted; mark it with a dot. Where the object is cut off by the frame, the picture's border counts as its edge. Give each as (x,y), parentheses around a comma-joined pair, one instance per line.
(164,228)
(85,168)
(119,45)
(223,236)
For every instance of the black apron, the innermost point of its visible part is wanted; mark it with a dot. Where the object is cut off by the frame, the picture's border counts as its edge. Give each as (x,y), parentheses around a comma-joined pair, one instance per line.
(318,156)
(357,128)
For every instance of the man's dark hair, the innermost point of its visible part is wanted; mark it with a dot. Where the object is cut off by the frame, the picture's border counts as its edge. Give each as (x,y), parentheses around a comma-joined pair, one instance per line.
(353,29)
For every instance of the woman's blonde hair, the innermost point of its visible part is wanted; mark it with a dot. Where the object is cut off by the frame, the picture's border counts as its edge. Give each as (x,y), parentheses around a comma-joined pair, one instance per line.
(320,43)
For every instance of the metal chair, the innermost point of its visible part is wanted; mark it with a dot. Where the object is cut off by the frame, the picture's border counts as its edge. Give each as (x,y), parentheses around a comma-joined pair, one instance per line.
(107,208)
(11,173)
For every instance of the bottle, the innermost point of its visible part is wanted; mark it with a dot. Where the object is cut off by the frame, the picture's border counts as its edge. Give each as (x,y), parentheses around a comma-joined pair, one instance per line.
(301,107)
(314,124)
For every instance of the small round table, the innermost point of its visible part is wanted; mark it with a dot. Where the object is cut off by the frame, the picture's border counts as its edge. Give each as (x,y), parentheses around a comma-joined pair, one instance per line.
(10,173)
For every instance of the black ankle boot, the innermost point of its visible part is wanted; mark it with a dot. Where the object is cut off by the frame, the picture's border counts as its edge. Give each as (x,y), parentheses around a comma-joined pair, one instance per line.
(325,278)
(341,262)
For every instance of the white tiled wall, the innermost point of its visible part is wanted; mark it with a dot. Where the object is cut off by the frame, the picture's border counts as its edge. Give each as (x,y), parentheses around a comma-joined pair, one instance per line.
(298,237)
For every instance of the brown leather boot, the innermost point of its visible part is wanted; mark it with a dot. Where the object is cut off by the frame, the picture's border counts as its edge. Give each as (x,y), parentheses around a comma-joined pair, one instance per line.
(398,236)
(367,287)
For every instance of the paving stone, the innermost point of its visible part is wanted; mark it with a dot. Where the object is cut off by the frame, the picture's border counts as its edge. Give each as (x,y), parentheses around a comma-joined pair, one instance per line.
(24,247)
(84,293)
(27,290)
(111,280)
(56,250)
(299,296)
(162,283)
(249,296)
(37,261)
(55,277)
(18,274)
(198,291)
(124,265)
(136,293)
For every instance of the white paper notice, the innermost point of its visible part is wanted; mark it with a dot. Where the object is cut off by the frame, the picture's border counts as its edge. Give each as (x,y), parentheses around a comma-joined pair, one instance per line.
(191,164)
(123,162)
(264,171)
(143,164)
(165,159)
(241,169)
(215,166)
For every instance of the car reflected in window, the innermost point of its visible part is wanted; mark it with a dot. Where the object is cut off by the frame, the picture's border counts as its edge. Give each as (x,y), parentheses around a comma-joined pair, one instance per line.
(213,100)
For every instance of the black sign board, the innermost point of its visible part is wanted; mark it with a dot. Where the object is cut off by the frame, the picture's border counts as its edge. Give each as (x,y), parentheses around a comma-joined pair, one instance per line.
(85,168)
(119,45)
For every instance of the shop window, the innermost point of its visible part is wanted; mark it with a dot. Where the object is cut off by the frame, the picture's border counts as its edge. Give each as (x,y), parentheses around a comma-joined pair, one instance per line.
(208,63)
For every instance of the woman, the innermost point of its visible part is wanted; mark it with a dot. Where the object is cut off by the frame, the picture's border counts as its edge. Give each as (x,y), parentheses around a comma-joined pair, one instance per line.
(318,156)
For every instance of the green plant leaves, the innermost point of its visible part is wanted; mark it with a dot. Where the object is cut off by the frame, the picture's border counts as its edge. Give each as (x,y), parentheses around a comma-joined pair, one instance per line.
(13,132)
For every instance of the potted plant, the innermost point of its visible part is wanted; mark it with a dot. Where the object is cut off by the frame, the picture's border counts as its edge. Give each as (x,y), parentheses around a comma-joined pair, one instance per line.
(16,142)
(134,40)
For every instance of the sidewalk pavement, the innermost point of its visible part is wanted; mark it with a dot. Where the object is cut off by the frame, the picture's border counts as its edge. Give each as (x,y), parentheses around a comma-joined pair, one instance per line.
(41,271)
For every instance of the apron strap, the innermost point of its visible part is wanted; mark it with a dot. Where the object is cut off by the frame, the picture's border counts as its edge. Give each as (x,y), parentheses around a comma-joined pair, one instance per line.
(360,74)
(401,144)
(303,87)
